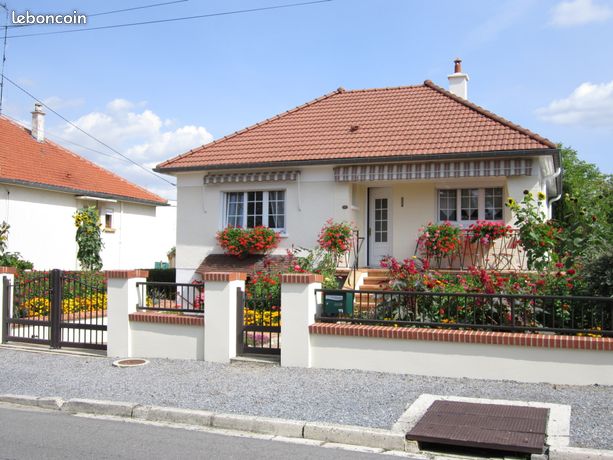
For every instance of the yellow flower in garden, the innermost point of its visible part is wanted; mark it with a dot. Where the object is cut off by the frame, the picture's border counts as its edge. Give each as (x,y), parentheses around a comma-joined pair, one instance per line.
(541,196)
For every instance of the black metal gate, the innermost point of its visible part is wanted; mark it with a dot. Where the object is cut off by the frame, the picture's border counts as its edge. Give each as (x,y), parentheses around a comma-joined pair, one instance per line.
(258,325)
(56,308)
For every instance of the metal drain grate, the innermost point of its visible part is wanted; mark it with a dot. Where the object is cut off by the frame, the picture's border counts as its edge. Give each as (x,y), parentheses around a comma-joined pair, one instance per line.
(483,426)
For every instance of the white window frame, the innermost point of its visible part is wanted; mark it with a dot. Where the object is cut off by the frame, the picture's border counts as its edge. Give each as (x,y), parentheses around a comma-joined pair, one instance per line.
(480,205)
(265,207)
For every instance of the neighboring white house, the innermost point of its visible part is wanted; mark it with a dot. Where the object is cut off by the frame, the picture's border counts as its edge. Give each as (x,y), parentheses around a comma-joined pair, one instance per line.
(389,160)
(42,185)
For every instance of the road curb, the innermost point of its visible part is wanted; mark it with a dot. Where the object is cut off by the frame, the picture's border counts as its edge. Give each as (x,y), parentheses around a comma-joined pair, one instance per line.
(318,433)
(355,435)
(51,403)
(283,428)
(95,407)
(577,453)
(173,415)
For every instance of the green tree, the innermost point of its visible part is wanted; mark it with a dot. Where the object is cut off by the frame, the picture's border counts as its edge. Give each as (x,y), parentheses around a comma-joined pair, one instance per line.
(585,211)
(89,238)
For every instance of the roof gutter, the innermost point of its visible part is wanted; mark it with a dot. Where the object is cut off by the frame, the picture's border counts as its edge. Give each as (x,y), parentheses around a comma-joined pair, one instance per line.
(388,159)
(95,195)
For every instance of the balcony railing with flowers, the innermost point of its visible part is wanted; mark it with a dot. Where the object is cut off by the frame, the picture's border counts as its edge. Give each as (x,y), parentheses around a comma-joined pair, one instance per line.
(487,245)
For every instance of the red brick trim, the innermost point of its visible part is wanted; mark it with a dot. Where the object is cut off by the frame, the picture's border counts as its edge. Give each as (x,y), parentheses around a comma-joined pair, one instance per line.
(126,274)
(301,278)
(8,270)
(479,337)
(161,318)
(225,276)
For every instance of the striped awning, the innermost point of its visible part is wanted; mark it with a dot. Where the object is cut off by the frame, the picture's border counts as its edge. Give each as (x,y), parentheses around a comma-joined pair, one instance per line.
(434,170)
(265,176)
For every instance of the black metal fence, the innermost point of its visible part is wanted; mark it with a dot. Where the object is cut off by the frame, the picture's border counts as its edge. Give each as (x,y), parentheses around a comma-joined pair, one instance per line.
(258,324)
(56,308)
(171,297)
(495,312)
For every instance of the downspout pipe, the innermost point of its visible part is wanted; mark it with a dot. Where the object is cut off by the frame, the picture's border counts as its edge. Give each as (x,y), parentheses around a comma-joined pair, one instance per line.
(555,174)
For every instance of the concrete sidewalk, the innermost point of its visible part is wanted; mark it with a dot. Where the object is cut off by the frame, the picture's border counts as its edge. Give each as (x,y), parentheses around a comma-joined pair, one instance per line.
(366,399)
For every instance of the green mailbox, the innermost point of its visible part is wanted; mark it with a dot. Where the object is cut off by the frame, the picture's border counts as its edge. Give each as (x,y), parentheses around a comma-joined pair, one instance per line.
(338,303)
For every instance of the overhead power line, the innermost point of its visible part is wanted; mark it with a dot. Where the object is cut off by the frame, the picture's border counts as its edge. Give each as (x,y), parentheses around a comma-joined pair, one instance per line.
(136,8)
(159,21)
(68,141)
(86,133)
(115,11)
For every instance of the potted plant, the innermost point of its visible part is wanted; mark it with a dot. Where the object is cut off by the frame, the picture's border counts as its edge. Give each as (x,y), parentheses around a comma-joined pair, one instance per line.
(241,242)
(439,241)
(485,232)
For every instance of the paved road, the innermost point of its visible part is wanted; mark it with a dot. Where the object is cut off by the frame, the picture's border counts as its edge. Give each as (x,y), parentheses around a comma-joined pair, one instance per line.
(33,434)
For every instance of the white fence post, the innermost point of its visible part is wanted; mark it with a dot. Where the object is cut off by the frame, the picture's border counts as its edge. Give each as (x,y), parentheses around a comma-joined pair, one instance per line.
(122,299)
(8,274)
(298,309)
(220,297)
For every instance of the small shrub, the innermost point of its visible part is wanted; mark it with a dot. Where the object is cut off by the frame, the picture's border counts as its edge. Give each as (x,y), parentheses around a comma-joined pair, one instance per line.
(264,286)
(11,259)
(538,236)
(317,261)
(599,275)
(14,259)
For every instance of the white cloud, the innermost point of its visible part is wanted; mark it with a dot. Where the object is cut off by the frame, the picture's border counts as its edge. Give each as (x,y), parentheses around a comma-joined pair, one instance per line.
(579,12)
(57,103)
(137,132)
(589,105)
(118,105)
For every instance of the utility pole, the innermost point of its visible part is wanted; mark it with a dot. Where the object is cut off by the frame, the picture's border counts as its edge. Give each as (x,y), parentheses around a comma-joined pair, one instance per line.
(6,28)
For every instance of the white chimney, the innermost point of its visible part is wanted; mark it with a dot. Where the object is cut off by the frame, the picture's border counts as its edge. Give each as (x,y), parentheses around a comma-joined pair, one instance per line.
(458,81)
(38,123)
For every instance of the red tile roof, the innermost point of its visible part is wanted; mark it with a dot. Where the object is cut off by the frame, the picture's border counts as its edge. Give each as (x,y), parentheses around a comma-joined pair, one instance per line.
(366,124)
(23,160)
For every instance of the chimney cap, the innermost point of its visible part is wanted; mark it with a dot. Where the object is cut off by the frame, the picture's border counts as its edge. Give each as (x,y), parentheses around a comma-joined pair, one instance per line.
(38,108)
(458,65)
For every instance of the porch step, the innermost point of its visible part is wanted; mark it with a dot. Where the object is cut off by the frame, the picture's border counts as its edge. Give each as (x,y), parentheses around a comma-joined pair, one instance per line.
(273,360)
(375,280)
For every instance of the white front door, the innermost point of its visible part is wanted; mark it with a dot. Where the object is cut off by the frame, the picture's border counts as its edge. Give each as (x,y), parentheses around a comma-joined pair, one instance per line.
(379,225)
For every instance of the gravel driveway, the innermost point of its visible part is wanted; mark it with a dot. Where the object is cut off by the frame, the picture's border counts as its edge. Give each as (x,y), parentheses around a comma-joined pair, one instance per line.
(350,397)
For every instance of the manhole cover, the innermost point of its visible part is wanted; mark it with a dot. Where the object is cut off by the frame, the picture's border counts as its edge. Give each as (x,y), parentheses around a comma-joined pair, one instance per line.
(130,362)
(485,426)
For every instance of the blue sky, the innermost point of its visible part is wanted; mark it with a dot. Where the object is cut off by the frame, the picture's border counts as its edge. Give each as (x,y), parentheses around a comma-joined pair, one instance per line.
(157,90)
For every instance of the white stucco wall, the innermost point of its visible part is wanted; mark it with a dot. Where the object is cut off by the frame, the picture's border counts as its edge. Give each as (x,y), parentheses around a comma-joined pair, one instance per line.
(315,198)
(171,341)
(462,360)
(142,235)
(43,231)
(309,202)
(42,227)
